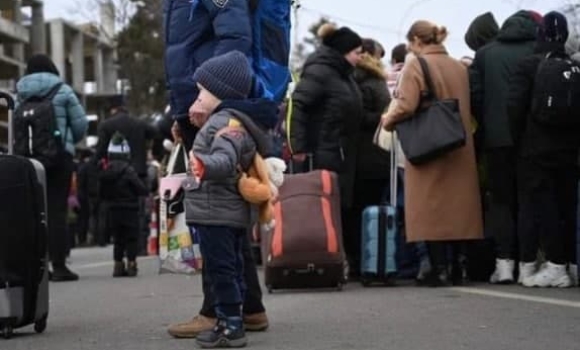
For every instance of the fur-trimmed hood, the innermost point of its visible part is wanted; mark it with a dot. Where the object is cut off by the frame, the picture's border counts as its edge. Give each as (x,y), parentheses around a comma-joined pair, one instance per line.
(369,66)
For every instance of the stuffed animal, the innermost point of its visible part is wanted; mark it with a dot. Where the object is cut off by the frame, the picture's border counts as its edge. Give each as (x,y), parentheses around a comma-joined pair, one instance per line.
(259,186)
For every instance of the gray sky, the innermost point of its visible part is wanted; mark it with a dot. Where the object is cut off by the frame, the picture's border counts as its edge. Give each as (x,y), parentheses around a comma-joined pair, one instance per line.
(384,20)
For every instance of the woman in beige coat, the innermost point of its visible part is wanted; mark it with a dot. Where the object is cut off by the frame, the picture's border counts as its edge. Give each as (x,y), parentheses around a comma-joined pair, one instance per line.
(442,199)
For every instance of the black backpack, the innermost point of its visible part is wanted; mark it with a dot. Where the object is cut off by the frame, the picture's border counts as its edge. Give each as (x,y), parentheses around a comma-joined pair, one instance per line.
(556,95)
(36,132)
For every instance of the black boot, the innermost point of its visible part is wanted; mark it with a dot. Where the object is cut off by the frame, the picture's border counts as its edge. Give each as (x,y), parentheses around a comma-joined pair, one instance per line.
(132,269)
(61,273)
(226,334)
(119,270)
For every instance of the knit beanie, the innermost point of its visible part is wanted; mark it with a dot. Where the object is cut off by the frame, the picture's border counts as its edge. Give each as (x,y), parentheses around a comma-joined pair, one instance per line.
(119,147)
(343,39)
(554,28)
(41,64)
(227,77)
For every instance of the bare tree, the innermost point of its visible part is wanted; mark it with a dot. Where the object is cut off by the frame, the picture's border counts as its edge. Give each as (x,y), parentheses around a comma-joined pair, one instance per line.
(572,11)
(94,11)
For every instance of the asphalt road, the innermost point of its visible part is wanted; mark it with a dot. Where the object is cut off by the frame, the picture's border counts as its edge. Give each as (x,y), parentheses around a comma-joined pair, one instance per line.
(100,313)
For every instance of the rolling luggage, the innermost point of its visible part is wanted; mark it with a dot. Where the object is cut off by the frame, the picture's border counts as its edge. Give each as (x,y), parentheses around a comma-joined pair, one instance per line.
(23,240)
(379,236)
(305,250)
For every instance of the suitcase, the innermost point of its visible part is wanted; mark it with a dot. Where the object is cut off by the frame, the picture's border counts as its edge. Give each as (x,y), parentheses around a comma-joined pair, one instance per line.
(379,236)
(305,249)
(23,247)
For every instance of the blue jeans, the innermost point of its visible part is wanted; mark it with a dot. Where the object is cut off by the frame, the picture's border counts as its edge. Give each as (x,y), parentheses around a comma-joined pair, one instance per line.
(222,251)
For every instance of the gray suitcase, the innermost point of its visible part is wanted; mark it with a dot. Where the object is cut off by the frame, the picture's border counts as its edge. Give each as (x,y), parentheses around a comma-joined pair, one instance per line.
(23,240)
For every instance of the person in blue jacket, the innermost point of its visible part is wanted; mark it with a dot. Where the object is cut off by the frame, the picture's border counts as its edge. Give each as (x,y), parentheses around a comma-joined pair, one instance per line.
(40,77)
(195,31)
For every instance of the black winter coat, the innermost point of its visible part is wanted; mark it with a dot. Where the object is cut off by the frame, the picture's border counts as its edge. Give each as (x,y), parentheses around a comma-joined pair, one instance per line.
(326,116)
(372,162)
(553,145)
(490,73)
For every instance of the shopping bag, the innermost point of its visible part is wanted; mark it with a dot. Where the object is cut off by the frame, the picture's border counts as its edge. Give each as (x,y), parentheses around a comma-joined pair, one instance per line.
(178,244)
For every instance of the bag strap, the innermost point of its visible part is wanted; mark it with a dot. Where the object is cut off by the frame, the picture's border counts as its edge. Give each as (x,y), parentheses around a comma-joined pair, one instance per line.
(427,76)
(52,93)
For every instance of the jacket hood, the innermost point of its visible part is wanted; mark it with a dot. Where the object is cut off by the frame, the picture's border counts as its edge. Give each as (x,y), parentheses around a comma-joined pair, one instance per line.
(327,56)
(263,143)
(369,66)
(262,111)
(519,27)
(481,31)
(36,84)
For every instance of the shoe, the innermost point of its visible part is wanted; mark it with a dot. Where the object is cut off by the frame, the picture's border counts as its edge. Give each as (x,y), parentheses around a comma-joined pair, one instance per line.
(424,269)
(224,335)
(119,270)
(256,322)
(63,274)
(573,272)
(192,328)
(504,272)
(552,275)
(527,270)
(132,269)
(437,277)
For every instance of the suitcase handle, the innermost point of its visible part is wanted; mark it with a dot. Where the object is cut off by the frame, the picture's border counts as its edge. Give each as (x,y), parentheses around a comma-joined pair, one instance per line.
(8,98)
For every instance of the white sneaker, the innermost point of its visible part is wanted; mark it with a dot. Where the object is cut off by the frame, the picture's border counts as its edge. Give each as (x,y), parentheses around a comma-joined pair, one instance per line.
(551,276)
(527,270)
(504,272)
(573,272)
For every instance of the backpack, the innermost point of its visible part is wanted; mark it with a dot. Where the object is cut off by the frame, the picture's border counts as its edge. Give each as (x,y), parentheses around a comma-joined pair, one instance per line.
(271,45)
(36,132)
(556,94)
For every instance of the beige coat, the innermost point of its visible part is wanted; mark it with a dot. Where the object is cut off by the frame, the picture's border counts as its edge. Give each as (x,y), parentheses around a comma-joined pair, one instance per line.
(442,199)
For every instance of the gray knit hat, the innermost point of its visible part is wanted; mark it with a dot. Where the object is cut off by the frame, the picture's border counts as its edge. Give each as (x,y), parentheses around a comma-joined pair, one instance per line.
(228,77)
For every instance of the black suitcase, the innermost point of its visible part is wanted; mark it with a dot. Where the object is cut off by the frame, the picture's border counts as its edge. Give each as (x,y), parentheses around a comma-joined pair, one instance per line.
(23,242)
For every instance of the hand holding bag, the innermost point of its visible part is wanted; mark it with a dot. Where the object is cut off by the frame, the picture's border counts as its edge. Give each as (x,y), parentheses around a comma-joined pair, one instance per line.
(434,130)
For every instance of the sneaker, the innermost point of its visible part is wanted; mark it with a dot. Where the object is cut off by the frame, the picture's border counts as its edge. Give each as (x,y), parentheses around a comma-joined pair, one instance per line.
(504,272)
(63,274)
(573,272)
(132,269)
(223,336)
(119,270)
(551,275)
(192,328)
(256,322)
(527,270)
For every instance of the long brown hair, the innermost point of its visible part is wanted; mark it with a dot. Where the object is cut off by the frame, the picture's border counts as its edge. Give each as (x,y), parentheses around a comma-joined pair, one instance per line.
(427,32)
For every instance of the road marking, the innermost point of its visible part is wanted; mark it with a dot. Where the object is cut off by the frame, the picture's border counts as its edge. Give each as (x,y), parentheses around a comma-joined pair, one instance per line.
(522,297)
(105,264)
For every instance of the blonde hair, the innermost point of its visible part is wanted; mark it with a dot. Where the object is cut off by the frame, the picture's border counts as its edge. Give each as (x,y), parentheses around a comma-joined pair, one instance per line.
(427,32)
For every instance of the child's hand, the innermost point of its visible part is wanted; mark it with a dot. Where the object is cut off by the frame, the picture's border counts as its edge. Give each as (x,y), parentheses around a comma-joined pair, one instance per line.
(197,167)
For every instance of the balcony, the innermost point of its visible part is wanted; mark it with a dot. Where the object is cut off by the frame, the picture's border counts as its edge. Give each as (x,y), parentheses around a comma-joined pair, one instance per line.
(13,33)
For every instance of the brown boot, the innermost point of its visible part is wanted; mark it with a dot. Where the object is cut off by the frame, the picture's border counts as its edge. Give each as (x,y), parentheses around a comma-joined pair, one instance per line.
(256,322)
(192,328)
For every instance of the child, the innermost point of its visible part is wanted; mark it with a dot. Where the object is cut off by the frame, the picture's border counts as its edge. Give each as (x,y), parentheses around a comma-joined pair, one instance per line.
(225,144)
(120,189)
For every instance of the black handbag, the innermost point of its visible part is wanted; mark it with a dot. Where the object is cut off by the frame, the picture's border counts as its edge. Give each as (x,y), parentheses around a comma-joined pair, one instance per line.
(435,129)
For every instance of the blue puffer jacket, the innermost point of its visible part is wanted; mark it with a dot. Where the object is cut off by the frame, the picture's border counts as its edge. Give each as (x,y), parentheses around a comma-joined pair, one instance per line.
(66,105)
(195,31)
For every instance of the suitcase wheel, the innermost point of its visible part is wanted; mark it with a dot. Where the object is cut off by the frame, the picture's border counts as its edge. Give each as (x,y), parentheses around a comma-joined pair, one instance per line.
(40,325)
(7,332)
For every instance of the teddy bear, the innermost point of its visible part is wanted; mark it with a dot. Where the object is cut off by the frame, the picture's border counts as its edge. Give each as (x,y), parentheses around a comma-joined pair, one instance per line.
(259,186)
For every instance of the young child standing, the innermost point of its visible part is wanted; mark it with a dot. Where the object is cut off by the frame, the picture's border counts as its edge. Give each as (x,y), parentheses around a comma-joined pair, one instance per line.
(120,189)
(225,145)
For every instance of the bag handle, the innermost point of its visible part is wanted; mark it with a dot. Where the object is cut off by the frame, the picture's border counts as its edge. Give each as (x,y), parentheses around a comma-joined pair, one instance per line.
(427,76)
(179,148)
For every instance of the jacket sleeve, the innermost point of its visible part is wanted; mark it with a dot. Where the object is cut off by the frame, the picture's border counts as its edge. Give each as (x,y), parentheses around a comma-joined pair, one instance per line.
(520,94)
(373,100)
(104,136)
(476,85)
(225,154)
(408,94)
(308,94)
(137,184)
(231,25)
(76,115)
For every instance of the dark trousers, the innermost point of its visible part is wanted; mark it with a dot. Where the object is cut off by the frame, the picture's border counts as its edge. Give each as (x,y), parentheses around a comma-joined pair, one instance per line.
(83,219)
(548,201)
(502,214)
(222,249)
(58,180)
(443,254)
(124,227)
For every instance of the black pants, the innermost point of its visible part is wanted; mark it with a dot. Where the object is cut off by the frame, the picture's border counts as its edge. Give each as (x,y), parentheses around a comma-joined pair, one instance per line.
(83,219)
(222,251)
(442,254)
(367,193)
(58,180)
(548,198)
(253,296)
(502,214)
(124,227)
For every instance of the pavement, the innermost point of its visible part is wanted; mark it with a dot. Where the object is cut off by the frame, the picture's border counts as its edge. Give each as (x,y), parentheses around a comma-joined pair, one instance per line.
(102,313)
